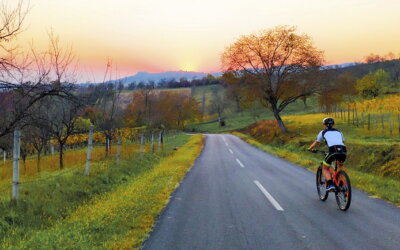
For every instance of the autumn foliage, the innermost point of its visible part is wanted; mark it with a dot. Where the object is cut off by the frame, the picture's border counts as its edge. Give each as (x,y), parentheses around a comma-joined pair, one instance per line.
(388,104)
(264,131)
(169,109)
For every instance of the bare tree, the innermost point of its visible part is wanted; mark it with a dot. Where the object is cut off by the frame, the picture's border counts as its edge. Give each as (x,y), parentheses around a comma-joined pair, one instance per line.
(61,121)
(11,25)
(37,133)
(27,82)
(109,114)
(218,104)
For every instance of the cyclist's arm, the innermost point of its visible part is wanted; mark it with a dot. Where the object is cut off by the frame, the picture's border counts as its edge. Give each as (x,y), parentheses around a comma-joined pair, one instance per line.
(313,145)
(316,142)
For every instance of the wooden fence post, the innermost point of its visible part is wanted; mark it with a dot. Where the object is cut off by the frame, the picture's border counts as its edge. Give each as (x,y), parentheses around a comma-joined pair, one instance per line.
(119,149)
(362,120)
(398,122)
(141,144)
(389,124)
(161,140)
(383,123)
(108,145)
(369,121)
(348,114)
(16,155)
(5,155)
(152,142)
(89,151)
(356,118)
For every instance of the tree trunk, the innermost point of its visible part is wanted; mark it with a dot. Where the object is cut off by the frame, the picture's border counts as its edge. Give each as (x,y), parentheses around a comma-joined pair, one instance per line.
(38,161)
(61,156)
(238,108)
(305,102)
(279,120)
(108,145)
(24,161)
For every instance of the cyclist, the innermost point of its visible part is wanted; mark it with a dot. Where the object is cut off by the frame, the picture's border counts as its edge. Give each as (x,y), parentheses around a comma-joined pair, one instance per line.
(337,150)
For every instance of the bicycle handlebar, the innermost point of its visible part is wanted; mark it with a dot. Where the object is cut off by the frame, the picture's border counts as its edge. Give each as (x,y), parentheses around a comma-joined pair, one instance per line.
(319,151)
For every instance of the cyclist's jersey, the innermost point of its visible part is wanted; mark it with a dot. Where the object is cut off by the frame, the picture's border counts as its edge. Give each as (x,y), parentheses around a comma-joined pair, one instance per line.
(335,141)
(332,137)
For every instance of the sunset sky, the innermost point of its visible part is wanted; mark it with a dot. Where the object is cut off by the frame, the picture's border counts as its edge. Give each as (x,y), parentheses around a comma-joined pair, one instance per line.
(164,35)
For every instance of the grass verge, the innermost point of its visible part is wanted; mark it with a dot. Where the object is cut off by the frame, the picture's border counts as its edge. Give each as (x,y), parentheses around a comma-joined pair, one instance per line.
(380,187)
(121,218)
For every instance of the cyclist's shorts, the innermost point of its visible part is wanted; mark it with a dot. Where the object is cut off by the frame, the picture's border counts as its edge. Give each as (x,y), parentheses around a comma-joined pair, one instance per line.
(336,153)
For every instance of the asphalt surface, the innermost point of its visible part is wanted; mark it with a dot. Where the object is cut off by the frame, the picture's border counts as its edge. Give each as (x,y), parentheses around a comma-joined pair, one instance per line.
(239,197)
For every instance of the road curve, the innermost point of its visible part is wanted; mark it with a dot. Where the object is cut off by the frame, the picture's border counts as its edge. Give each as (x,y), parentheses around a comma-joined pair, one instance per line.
(231,199)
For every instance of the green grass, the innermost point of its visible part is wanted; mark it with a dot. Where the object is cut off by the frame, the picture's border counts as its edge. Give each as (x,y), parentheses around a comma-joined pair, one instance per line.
(44,204)
(236,120)
(198,92)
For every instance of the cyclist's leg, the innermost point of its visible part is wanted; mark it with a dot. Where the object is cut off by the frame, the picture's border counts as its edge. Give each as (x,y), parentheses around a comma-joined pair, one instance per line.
(326,165)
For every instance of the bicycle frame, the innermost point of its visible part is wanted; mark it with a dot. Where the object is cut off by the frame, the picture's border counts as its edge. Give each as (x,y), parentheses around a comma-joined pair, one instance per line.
(335,171)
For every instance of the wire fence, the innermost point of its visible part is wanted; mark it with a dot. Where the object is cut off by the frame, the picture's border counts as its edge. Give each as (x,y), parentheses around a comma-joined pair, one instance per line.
(383,123)
(34,170)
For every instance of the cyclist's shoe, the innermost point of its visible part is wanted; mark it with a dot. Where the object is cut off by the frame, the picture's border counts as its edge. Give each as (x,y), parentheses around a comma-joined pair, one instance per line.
(330,188)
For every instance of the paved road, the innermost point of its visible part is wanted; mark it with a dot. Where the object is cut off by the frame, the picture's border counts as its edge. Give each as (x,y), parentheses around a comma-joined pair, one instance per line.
(222,204)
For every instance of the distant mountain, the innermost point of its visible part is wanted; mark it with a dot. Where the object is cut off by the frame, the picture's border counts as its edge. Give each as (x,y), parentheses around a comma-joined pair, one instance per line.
(339,66)
(358,69)
(170,75)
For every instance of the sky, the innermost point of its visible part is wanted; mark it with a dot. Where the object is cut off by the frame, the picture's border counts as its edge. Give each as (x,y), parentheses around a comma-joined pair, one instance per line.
(191,35)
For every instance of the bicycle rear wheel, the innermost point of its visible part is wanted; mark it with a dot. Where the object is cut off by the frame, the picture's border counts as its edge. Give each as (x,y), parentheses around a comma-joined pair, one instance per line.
(321,187)
(343,191)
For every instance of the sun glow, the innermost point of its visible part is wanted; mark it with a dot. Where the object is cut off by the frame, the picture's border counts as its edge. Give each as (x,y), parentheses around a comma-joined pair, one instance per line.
(158,36)
(188,67)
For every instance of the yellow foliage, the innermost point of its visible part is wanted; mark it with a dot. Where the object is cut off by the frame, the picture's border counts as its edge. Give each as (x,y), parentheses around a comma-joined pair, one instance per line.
(98,137)
(72,159)
(388,104)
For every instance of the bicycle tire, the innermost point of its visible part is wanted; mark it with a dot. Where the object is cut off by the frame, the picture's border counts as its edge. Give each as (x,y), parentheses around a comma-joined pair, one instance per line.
(343,191)
(321,188)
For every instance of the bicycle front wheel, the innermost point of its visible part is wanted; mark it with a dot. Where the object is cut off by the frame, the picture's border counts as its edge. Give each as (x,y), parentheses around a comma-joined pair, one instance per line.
(321,187)
(343,191)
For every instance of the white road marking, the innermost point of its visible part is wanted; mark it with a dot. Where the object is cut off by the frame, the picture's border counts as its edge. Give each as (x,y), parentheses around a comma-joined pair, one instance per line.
(223,138)
(230,150)
(241,164)
(269,196)
(226,144)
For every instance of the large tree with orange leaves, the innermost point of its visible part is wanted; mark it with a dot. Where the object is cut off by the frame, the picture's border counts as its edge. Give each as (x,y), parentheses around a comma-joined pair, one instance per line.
(279,66)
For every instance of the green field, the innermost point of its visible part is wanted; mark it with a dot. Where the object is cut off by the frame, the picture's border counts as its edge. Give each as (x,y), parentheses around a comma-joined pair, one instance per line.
(70,210)
(236,120)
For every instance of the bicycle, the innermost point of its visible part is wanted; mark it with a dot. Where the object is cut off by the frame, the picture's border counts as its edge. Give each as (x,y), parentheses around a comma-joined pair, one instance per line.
(341,181)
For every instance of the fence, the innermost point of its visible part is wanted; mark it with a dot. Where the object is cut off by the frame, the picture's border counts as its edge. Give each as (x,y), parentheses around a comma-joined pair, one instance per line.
(75,159)
(373,122)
